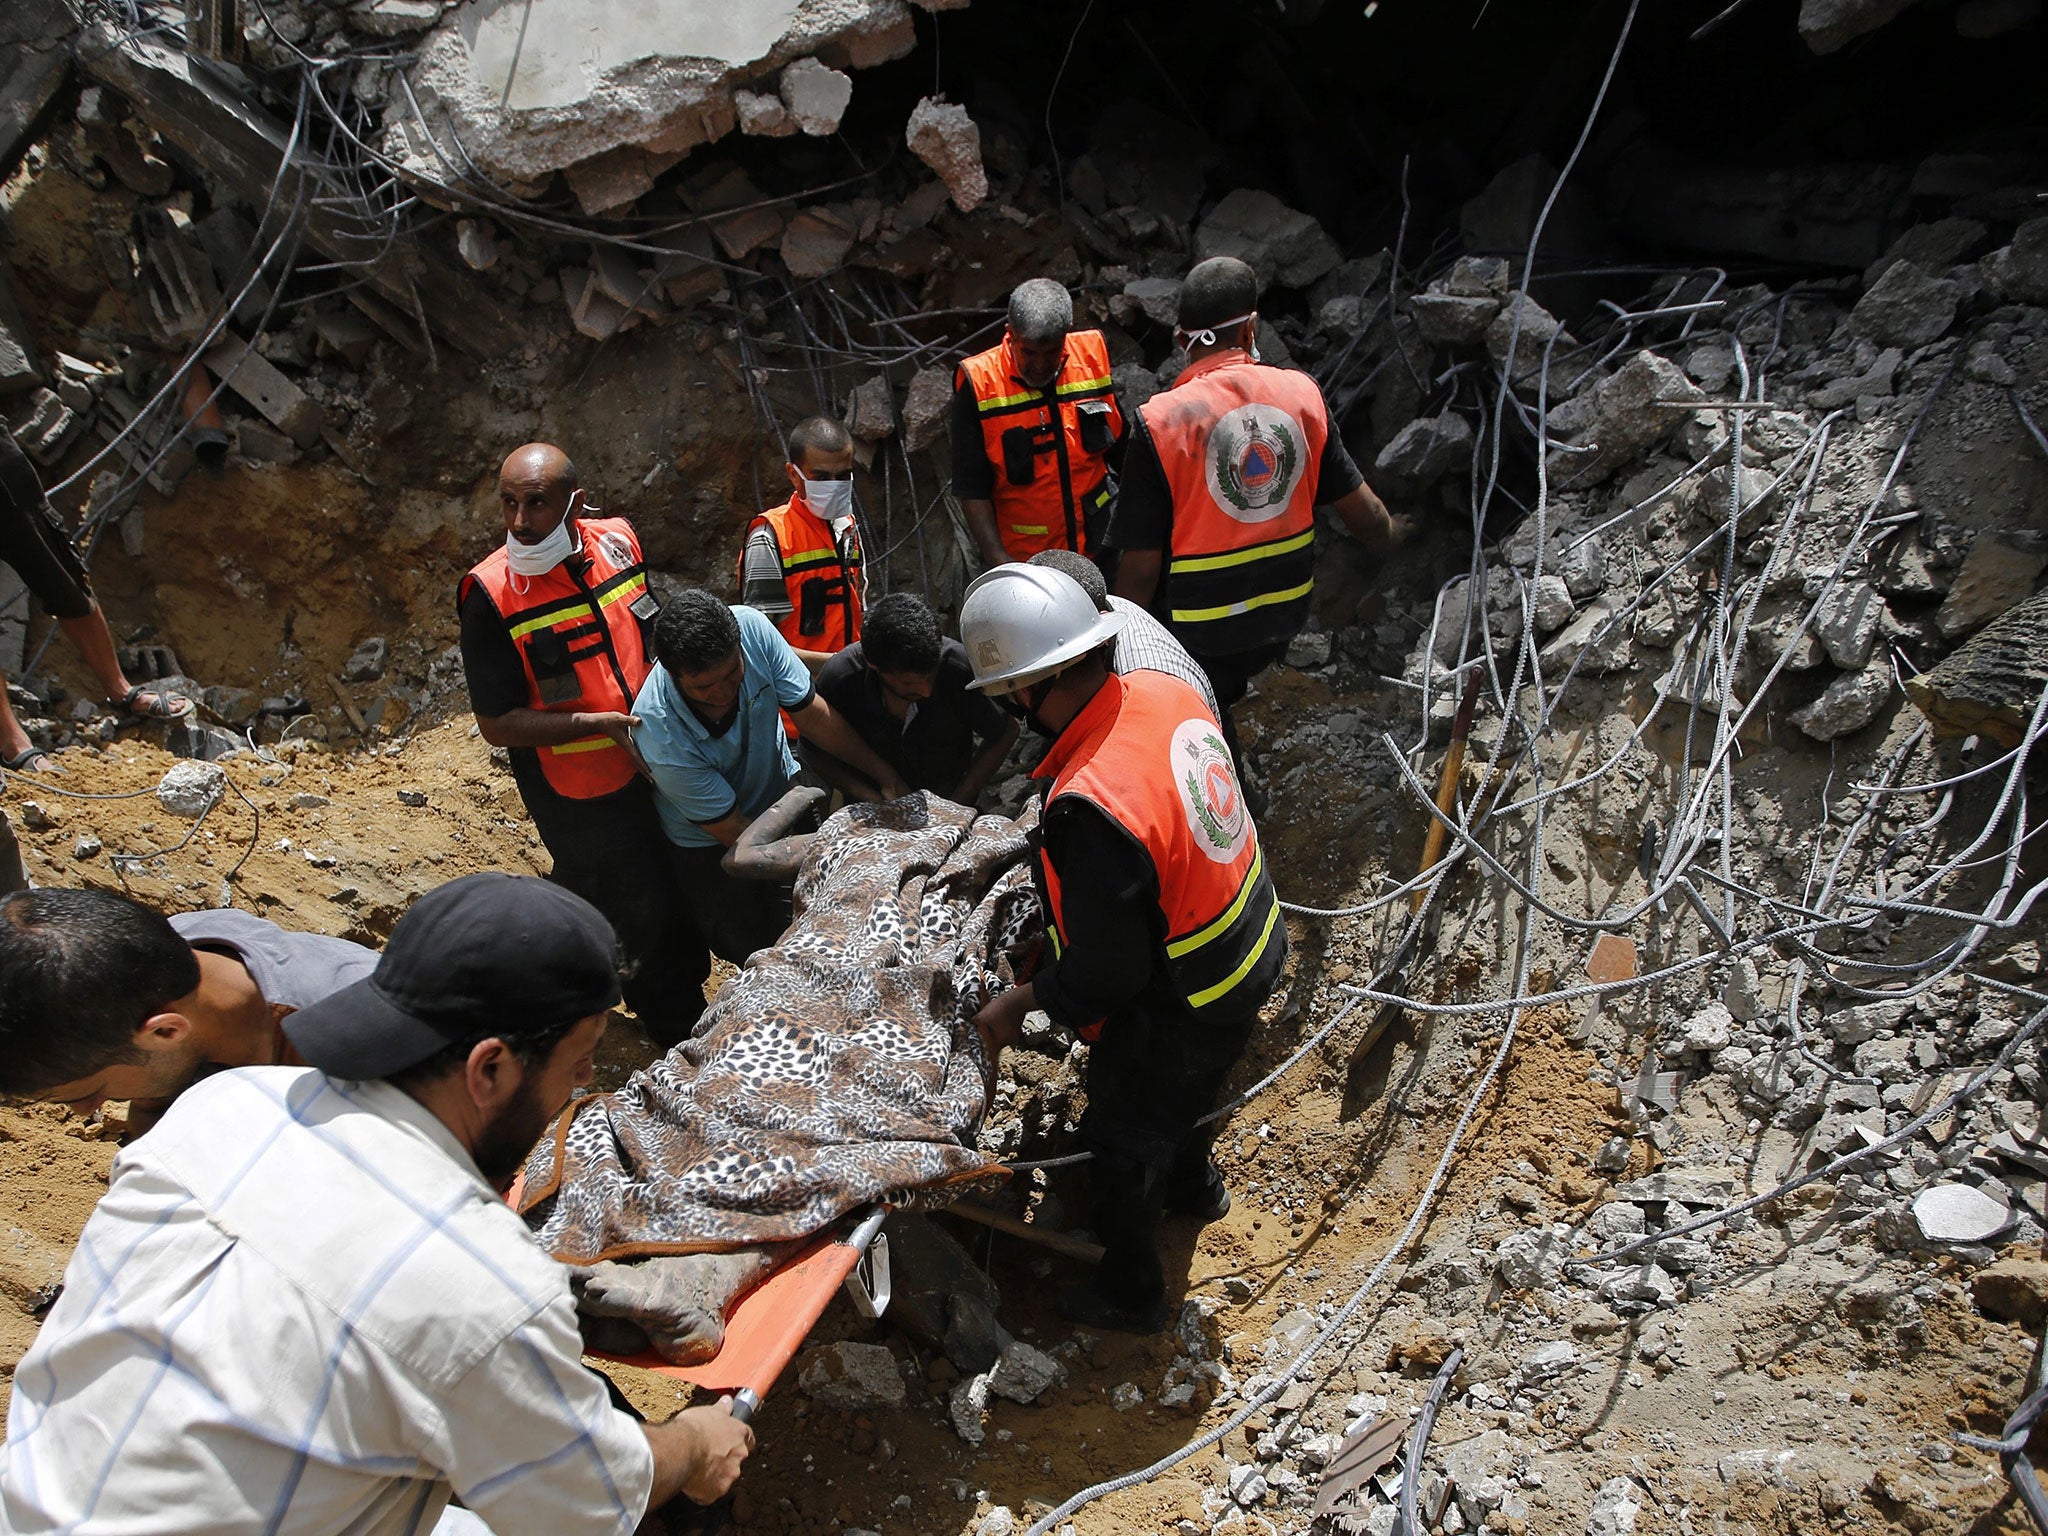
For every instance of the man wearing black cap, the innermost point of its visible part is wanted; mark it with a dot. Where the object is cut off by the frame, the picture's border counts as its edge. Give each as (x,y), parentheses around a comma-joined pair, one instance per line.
(361,1327)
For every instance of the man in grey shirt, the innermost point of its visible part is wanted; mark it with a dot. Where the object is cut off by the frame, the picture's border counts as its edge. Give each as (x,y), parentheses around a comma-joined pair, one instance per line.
(1143,644)
(102,998)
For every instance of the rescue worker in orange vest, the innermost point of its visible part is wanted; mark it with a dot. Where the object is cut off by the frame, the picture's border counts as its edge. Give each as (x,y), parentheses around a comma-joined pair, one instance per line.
(1164,930)
(1036,428)
(801,563)
(1214,526)
(555,626)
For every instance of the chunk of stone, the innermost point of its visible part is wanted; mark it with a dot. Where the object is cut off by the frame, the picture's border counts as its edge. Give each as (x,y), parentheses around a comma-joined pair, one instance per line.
(762,115)
(871,410)
(189,789)
(1707,1030)
(852,1377)
(256,379)
(1615,1508)
(87,846)
(366,662)
(1889,1059)
(1999,571)
(1605,645)
(1742,994)
(927,405)
(1284,246)
(1532,1257)
(1125,1396)
(999,1521)
(1617,1218)
(1959,1213)
(2014,1290)
(1310,648)
(1932,247)
(1988,685)
(1616,421)
(1584,568)
(1846,623)
(1548,1360)
(1552,602)
(1906,308)
(1024,1373)
(1847,704)
(1247,1486)
(395,18)
(2018,273)
(816,95)
(1426,450)
(1157,298)
(1639,1288)
(1452,320)
(816,241)
(944,137)
(966,1408)
(1532,340)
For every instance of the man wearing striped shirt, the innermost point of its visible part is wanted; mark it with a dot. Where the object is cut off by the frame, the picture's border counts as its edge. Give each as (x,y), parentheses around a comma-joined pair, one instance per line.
(303,1307)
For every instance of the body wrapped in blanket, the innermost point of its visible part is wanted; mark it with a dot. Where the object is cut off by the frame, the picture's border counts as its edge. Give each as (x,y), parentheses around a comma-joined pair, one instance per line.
(838,1068)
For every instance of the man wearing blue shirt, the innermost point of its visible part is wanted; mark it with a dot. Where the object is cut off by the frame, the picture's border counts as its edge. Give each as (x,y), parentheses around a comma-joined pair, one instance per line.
(708,725)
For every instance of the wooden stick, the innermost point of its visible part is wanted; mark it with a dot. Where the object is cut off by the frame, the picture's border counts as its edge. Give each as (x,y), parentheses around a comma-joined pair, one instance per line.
(355,716)
(1045,1237)
(1447,787)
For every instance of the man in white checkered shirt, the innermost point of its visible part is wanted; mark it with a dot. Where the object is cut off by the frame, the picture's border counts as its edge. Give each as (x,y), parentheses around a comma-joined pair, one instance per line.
(303,1307)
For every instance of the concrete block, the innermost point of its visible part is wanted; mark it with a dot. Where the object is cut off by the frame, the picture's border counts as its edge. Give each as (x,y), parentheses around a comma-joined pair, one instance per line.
(256,379)
(944,137)
(816,96)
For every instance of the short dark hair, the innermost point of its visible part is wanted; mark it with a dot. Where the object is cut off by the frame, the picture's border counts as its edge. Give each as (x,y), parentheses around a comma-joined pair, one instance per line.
(530,1048)
(1086,573)
(1219,289)
(817,434)
(79,973)
(901,634)
(694,632)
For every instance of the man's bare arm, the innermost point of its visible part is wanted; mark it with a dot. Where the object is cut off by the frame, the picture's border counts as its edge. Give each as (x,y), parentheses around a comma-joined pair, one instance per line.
(1137,575)
(985,764)
(550,728)
(819,723)
(981,522)
(697,1453)
(1367,519)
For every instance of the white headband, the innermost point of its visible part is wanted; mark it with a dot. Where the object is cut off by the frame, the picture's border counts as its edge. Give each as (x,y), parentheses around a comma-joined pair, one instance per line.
(1207,335)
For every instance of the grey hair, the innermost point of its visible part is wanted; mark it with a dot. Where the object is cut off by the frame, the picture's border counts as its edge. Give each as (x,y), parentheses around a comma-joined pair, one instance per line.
(1040,310)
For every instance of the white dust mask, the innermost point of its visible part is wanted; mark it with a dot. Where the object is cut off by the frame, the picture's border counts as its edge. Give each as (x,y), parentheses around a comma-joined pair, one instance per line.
(831,500)
(1206,336)
(531,560)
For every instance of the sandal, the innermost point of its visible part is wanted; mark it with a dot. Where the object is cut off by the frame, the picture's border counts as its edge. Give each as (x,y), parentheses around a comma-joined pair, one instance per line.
(163,704)
(25,760)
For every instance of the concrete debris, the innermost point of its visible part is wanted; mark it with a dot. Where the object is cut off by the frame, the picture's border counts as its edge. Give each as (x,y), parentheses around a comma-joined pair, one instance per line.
(1533,1258)
(1710,1029)
(967,1406)
(1848,704)
(1605,645)
(944,137)
(852,1377)
(762,115)
(1999,571)
(396,18)
(1959,1213)
(1847,623)
(927,405)
(2018,273)
(1452,320)
(816,241)
(1552,603)
(1906,308)
(1933,247)
(1024,1373)
(87,846)
(366,662)
(1156,298)
(1619,418)
(1988,685)
(871,410)
(1981,20)
(1615,1508)
(257,380)
(1532,340)
(816,95)
(1000,1521)
(1426,450)
(1285,247)
(190,789)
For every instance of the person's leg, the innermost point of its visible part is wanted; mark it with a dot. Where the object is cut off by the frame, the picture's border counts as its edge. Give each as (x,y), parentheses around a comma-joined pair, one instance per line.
(13,875)
(619,866)
(736,917)
(16,750)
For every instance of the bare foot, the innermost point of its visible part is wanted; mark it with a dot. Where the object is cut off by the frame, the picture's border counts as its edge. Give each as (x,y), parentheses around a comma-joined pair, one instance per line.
(676,1305)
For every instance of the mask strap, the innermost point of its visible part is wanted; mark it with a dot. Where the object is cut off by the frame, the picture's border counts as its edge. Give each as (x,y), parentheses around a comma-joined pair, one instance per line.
(1206,336)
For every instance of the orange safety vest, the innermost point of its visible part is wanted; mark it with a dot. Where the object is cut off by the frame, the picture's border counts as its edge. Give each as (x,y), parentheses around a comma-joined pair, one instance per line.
(580,631)
(822,579)
(1052,491)
(1147,751)
(1241,445)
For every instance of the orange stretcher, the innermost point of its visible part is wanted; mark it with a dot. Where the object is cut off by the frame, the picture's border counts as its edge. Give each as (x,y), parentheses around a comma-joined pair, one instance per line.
(767,1328)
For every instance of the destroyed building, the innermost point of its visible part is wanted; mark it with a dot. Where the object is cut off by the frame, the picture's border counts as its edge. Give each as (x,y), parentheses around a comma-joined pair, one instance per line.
(1678,1133)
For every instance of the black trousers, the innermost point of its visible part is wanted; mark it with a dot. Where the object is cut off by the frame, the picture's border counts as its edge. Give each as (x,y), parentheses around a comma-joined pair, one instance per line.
(33,543)
(1154,1073)
(1230,677)
(612,853)
(736,917)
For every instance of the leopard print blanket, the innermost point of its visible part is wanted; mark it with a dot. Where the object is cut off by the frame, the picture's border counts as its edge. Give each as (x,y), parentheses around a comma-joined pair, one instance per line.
(837,1068)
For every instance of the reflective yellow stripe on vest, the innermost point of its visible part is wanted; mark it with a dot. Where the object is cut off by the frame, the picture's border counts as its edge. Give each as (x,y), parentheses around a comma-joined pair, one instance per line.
(1208,933)
(1194,941)
(583,744)
(1209,995)
(1193,563)
(1231,610)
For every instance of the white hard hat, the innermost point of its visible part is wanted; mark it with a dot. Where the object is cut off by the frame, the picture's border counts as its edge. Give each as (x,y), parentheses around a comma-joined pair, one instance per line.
(1023,623)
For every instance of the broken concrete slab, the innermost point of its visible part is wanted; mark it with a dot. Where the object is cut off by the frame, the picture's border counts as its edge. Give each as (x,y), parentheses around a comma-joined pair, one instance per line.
(871,410)
(1619,418)
(256,379)
(762,115)
(2018,273)
(746,219)
(1847,704)
(944,137)
(927,405)
(816,242)
(1959,1213)
(1988,686)
(1933,247)
(1847,623)
(1426,450)
(815,95)
(1452,319)
(1283,245)
(1906,308)
(1999,571)
(34,64)
(660,77)
(614,180)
